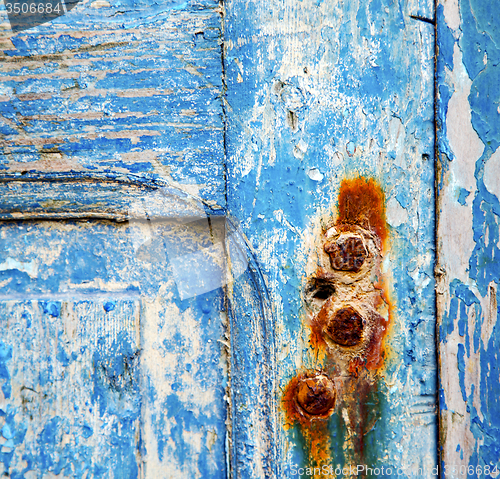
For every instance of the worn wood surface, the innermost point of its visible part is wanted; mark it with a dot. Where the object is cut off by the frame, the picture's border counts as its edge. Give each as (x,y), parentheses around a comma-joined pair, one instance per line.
(113,351)
(468,234)
(113,362)
(319,92)
(113,340)
(123,88)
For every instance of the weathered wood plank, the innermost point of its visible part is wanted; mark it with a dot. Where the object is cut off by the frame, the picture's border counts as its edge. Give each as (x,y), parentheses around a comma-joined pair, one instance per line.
(127,89)
(101,196)
(253,412)
(113,362)
(320,92)
(70,403)
(468,232)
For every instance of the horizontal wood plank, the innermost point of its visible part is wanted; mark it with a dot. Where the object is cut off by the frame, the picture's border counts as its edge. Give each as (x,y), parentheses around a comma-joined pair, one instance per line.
(126,89)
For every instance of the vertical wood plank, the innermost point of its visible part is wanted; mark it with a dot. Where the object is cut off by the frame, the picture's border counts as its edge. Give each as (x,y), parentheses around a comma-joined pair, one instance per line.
(319,92)
(468,232)
(254,419)
(184,358)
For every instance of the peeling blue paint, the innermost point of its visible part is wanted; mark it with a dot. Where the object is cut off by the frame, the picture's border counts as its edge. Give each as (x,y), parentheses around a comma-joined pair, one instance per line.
(463,196)
(5,356)
(109,378)
(479,42)
(444,61)
(344,105)
(116,106)
(461,370)
(115,381)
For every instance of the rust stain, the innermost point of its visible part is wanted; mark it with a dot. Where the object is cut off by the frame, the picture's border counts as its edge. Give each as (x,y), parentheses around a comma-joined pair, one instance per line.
(362,202)
(344,327)
(349,315)
(347,254)
(289,405)
(317,342)
(316,392)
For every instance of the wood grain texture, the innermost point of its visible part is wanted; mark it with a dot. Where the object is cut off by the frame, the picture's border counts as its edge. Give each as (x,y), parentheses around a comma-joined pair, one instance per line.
(113,339)
(319,92)
(107,368)
(254,417)
(128,89)
(468,232)
(103,196)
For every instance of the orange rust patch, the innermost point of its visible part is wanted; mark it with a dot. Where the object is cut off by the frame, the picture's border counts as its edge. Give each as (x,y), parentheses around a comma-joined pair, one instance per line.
(362,203)
(317,342)
(314,430)
(355,366)
(375,351)
(355,337)
(292,415)
(317,439)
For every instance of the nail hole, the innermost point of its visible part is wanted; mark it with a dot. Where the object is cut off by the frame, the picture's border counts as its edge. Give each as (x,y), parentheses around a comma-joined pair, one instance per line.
(292,120)
(319,290)
(323,293)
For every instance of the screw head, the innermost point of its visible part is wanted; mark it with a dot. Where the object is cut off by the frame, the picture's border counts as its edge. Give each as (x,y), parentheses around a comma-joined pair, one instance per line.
(347,253)
(345,327)
(316,395)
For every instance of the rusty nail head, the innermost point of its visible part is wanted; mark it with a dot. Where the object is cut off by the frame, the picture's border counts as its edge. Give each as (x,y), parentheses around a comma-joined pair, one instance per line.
(347,253)
(345,327)
(316,395)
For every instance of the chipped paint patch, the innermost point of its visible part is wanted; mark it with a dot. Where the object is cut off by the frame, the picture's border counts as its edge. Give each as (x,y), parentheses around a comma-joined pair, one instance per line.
(112,370)
(24,267)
